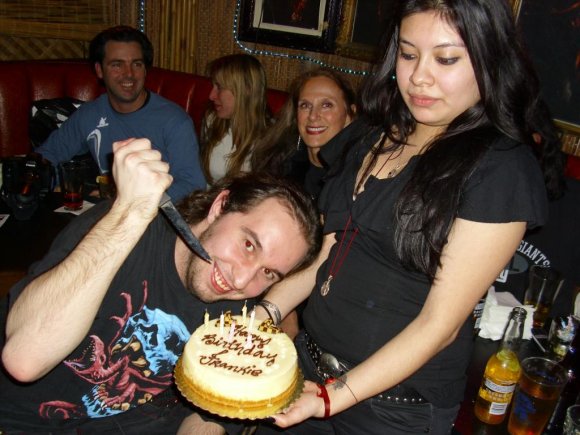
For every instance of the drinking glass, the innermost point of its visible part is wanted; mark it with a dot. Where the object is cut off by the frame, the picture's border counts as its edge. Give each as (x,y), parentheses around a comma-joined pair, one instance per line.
(562,332)
(572,422)
(541,382)
(72,178)
(544,286)
(107,189)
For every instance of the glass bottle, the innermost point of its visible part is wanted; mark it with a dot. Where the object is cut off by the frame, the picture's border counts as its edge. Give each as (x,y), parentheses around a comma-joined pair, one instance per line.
(502,373)
(477,313)
(571,391)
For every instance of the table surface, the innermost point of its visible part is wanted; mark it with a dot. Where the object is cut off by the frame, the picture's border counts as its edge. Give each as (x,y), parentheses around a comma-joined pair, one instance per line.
(23,242)
(28,240)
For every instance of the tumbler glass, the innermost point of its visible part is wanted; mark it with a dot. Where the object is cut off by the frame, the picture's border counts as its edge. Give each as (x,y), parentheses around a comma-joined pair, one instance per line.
(72,179)
(572,422)
(541,382)
(543,288)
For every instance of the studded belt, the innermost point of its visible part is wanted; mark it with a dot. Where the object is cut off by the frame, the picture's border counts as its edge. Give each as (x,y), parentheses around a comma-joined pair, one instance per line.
(328,366)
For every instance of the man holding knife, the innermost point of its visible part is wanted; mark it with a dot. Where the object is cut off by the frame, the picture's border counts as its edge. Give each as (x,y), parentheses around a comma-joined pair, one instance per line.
(95,329)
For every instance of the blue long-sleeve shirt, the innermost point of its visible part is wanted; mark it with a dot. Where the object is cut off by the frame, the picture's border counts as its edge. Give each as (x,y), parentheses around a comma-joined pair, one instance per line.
(96,125)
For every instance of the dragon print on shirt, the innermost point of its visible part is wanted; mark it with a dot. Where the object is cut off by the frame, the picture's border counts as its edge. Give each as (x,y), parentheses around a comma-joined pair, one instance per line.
(135,366)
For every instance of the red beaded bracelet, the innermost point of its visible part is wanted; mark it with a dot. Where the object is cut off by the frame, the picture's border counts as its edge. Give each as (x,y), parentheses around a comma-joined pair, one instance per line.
(324,394)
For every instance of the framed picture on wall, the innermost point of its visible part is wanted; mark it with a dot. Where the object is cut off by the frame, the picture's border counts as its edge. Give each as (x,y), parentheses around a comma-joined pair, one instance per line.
(299,24)
(362,25)
(551,32)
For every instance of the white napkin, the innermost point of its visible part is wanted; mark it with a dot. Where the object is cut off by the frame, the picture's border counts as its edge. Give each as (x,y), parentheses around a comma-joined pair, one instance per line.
(86,206)
(496,311)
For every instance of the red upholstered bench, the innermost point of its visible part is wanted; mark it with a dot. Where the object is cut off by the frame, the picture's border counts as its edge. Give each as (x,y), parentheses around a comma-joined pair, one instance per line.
(22,82)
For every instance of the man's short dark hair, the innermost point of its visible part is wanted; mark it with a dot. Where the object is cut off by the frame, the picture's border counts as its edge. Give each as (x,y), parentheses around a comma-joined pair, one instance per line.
(120,34)
(247,191)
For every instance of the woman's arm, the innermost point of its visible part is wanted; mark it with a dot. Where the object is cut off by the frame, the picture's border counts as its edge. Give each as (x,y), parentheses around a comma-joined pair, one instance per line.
(54,312)
(288,294)
(471,261)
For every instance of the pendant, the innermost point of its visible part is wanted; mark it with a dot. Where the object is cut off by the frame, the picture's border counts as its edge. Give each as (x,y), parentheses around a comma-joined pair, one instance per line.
(325,288)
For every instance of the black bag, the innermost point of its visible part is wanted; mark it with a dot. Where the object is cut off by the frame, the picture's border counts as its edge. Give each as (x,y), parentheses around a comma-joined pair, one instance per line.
(48,115)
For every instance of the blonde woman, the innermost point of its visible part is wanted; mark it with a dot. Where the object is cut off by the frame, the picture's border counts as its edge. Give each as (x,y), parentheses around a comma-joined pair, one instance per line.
(237,117)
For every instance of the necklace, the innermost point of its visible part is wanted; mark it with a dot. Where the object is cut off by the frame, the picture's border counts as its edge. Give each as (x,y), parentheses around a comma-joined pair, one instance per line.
(334,269)
(393,171)
(340,256)
(370,166)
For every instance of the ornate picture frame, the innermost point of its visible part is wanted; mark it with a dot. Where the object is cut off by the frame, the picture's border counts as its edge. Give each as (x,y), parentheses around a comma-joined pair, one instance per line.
(299,24)
(550,32)
(360,31)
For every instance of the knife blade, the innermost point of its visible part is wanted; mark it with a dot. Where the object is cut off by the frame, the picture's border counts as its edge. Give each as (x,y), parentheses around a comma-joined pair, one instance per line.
(182,228)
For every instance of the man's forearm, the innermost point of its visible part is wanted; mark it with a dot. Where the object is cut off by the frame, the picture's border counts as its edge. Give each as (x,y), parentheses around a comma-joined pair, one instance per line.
(55,311)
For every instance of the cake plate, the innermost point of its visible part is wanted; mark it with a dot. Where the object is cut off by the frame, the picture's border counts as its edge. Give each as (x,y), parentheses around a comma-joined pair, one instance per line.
(245,413)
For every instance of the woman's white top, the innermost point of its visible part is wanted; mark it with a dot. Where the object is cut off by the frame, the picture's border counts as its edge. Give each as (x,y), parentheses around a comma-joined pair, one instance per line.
(220,155)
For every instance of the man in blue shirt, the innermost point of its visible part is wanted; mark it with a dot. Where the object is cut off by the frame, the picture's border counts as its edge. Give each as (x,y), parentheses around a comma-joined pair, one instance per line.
(121,56)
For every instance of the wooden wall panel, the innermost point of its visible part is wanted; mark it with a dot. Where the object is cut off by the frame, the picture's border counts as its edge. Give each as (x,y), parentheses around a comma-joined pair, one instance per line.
(19,48)
(56,29)
(215,38)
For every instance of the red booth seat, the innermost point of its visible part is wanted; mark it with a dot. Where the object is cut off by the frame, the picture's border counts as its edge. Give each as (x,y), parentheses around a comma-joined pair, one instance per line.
(22,82)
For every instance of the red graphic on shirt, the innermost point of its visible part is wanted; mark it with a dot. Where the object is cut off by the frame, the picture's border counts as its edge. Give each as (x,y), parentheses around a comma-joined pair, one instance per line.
(119,369)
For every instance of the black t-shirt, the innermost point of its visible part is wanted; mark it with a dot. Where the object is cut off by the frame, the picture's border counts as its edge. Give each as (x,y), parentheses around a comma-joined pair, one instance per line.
(373,297)
(131,349)
(306,174)
(556,244)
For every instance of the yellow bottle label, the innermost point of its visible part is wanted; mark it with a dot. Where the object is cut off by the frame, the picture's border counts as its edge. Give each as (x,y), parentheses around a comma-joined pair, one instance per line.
(497,395)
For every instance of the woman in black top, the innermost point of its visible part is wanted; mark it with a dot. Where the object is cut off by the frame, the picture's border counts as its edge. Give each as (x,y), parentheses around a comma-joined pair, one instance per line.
(422,212)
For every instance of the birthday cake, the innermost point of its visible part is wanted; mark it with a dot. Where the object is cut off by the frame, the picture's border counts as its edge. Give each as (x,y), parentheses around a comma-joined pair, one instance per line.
(232,368)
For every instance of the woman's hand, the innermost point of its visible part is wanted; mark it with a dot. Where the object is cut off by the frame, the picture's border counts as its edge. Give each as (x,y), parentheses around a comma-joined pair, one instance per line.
(309,404)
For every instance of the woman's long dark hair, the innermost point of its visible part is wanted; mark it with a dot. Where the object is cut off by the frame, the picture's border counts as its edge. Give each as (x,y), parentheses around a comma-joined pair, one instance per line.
(510,105)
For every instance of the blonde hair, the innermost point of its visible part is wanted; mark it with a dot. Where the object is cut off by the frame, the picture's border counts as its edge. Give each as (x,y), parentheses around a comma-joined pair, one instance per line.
(244,76)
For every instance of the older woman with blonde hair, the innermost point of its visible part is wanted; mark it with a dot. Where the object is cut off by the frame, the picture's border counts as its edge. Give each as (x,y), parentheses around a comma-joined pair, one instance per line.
(237,117)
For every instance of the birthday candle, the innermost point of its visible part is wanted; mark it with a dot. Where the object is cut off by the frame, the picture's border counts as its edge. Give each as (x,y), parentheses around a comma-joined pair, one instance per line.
(206,319)
(222,324)
(244,311)
(232,329)
(252,315)
(248,341)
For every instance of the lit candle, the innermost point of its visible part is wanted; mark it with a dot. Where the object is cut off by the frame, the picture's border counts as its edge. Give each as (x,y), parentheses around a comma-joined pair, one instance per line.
(252,315)
(206,319)
(248,341)
(222,324)
(232,329)
(244,311)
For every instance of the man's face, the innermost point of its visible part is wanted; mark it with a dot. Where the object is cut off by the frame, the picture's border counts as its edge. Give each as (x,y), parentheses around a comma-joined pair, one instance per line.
(250,252)
(123,71)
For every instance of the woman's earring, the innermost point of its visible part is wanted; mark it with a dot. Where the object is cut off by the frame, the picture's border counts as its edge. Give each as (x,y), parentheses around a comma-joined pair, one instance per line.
(298,143)
(393,77)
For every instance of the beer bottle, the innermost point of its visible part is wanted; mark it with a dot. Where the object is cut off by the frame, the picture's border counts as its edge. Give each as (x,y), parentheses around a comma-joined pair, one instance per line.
(477,313)
(501,373)
(572,389)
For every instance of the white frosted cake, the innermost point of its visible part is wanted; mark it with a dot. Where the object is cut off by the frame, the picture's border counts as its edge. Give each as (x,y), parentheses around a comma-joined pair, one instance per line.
(229,372)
